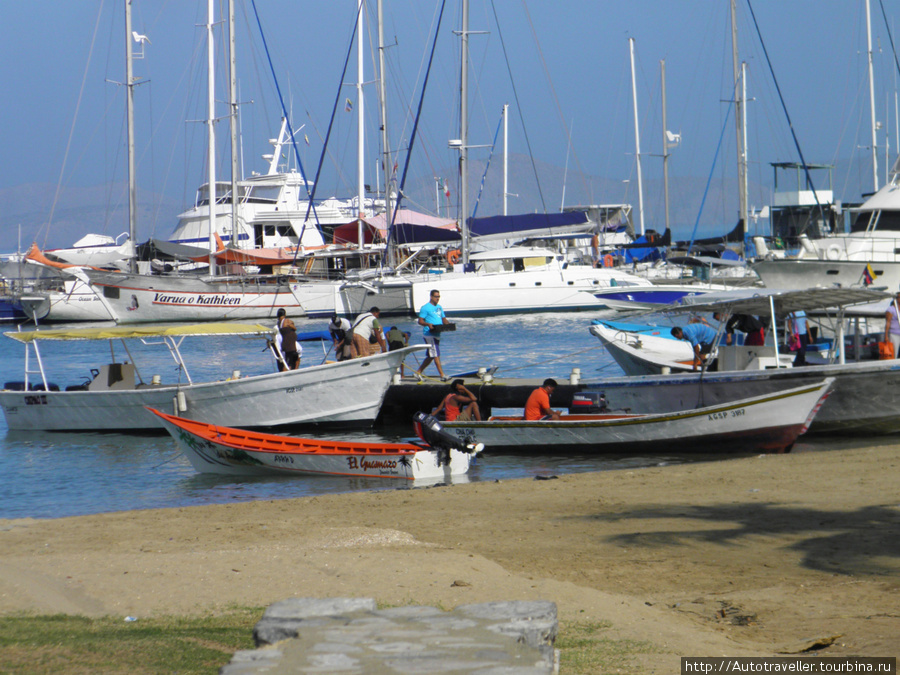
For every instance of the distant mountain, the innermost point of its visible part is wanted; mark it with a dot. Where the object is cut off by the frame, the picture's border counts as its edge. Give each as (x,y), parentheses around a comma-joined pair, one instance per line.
(100,209)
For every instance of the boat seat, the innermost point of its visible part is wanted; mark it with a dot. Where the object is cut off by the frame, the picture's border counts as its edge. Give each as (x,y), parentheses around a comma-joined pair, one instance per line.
(113,377)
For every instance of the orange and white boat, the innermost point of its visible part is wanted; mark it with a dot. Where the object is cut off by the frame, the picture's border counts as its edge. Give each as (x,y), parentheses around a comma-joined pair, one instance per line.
(225,450)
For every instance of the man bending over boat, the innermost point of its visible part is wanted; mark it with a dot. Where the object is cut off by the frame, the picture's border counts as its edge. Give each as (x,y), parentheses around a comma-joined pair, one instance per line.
(701,336)
(459,405)
(538,405)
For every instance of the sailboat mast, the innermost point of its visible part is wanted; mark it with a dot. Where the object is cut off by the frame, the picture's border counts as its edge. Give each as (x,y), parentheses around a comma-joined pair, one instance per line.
(872,98)
(129,114)
(386,164)
(464,133)
(738,118)
(665,156)
(211,132)
(233,123)
(637,139)
(360,121)
(506,155)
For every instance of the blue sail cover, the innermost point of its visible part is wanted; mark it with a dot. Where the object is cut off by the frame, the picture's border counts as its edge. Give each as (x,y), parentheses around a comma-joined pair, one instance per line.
(648,254)
(407,233)
(529,225)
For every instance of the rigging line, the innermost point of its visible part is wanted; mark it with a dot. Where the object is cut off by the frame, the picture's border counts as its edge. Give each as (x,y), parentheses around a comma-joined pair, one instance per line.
(890,37)
(562,118)
(331,125)
(518,106)
(286,117)
(786,113)
(487,166)
(709,178)
(62,169)
(412,137)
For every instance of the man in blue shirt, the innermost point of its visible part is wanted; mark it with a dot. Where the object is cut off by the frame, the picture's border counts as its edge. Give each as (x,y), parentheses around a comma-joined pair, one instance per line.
(431,315)
(700,335)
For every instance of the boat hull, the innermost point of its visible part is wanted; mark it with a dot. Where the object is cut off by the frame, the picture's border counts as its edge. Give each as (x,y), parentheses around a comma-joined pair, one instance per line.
(139,298)
(227,451)
(335,393)
(770,423)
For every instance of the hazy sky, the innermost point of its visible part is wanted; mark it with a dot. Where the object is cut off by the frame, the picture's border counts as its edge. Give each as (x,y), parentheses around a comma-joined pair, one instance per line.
(62,118)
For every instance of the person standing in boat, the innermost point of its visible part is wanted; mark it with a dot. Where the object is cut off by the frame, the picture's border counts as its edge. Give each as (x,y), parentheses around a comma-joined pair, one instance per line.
(398,339)
(892,324)
(538,405)
(366,333)
(701,336)
(431,315)
(459,405)
(340,336)
(286,346)
(747,324)
(799,328)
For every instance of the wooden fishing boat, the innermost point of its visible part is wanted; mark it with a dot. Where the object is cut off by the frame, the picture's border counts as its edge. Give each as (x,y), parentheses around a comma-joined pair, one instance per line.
(768,423)
(225,450)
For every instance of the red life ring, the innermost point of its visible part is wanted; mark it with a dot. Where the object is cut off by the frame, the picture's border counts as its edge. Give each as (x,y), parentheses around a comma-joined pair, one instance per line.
(454,256)
(608,260)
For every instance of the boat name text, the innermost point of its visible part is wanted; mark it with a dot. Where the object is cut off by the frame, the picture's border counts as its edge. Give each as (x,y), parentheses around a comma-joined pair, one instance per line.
(195,299)
(725,414)
(372,465)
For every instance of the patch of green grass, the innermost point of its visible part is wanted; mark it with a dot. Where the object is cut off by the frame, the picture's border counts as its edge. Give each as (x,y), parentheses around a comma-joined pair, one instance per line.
(47,645)
(584,649)
(39,645)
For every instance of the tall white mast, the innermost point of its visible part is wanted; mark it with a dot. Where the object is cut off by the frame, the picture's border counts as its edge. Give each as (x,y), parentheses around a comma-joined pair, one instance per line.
(233,123)
(360,120)
(738,118)
(872,98)
(505,155)
(637,139)
(464,133)
(665,156)
(386,163)
(211,131)
(745,188)
(129,114)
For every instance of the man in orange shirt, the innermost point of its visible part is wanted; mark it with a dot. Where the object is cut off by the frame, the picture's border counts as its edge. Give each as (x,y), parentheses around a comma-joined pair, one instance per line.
(538,405)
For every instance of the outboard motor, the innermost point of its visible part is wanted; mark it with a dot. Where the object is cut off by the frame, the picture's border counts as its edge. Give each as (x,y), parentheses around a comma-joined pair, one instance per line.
(433,433)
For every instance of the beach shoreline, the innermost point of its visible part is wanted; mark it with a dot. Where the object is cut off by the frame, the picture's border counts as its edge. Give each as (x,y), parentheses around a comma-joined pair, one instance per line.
(741,557)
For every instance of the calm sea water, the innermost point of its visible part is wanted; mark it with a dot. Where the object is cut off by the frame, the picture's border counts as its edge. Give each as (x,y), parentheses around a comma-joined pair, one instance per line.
(50,475)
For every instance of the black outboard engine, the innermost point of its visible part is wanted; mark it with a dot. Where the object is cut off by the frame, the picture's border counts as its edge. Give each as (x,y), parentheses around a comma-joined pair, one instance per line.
(433,433)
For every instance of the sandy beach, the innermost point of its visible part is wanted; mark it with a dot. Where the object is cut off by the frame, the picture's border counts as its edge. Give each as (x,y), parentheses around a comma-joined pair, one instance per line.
(754,556)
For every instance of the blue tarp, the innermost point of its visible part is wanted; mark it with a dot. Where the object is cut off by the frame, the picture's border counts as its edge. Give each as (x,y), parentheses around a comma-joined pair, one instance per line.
(633,255)
(520,226)
(421,234)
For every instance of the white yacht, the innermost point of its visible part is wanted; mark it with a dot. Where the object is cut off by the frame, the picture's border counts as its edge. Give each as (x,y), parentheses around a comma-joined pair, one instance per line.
(867,255)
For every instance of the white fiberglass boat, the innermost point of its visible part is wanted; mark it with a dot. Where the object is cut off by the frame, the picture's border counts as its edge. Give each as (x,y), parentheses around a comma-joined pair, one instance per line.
(117,394)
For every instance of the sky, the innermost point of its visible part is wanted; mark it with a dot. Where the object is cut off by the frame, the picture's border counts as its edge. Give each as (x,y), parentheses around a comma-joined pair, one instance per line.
(562,67)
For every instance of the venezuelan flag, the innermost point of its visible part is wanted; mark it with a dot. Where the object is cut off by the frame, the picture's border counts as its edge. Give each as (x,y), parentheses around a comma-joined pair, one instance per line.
(869,275)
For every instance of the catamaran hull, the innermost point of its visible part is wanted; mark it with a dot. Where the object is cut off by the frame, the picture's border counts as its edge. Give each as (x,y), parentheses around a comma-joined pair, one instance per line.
(346,392)
(207,455)
(770,423)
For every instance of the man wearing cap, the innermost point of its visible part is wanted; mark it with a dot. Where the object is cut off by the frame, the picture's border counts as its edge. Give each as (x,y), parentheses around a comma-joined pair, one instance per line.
(340,336)
(286,344)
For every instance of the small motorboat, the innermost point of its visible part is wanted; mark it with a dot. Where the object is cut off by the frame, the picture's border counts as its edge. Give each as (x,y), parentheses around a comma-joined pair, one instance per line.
(225,450)
(768,423)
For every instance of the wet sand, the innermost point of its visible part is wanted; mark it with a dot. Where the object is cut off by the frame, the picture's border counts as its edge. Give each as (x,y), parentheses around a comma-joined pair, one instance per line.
(752,556)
